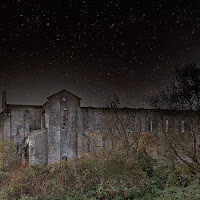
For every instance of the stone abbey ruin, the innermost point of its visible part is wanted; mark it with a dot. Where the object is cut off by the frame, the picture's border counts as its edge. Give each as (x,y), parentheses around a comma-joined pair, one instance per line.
(61,128)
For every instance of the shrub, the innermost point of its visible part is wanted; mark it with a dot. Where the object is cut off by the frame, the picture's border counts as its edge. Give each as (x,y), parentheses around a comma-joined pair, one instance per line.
(8,158)
(182,176)
(109,174)
(119,174)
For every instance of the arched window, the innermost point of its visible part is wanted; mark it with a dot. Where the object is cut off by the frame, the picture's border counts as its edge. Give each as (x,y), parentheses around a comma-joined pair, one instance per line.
(149,124)
(182,126)
(65,118)
(166,125)
(136,123)
(143,124)
(18,130)
(98,120)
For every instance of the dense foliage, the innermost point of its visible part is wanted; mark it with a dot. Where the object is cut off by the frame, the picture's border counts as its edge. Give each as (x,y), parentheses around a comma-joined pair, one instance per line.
(183,91)
(117,174)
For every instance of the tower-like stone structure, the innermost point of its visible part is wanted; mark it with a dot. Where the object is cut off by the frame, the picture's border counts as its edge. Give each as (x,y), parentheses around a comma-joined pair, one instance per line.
(62,126)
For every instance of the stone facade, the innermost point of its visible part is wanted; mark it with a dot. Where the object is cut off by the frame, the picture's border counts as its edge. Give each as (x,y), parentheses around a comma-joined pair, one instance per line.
(62,128)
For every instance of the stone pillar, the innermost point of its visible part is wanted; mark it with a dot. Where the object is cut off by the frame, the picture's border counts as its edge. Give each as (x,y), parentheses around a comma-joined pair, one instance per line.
(43,121)
(64,130)
(54,130)
(31,150)
(26,124)
(7,119)
(72,135)
(80,138)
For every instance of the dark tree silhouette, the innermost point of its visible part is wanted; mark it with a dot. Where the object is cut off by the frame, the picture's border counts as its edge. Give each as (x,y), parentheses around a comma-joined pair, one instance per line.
(183,92)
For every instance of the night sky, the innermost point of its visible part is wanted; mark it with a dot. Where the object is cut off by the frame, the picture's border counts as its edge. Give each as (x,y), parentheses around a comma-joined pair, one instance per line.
(95,49)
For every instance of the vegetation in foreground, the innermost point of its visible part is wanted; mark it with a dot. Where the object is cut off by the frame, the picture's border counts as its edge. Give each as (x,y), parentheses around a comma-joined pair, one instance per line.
(117,174)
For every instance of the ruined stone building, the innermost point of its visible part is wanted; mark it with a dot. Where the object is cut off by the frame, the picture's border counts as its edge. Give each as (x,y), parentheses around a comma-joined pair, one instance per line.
(62,128)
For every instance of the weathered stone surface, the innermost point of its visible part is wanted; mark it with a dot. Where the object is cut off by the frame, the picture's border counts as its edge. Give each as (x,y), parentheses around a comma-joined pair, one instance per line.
(62,129)
(38,147)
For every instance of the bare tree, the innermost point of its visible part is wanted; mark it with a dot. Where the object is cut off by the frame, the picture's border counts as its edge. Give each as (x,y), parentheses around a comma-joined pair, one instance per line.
(183,93)
(120,132)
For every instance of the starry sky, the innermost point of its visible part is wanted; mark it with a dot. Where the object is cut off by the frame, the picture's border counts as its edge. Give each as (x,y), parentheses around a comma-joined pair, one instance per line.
(95,48)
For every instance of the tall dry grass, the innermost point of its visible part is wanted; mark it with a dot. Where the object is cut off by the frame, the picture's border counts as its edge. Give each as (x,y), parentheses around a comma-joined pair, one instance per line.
(105,175)
(118,173)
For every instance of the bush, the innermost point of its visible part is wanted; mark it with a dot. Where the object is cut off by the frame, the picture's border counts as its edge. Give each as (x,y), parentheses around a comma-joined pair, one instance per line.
(119,174)
(182,176)
(190,192)
(113,174)
(8,158)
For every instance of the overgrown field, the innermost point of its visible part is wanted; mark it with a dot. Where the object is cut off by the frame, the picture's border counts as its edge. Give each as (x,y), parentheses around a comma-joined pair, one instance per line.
(117,174)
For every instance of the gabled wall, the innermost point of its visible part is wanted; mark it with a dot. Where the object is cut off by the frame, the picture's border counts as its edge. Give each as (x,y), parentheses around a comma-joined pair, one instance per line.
(62,126)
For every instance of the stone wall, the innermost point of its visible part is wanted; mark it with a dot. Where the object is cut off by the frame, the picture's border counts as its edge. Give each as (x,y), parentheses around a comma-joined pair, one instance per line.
(102,121)
(1,127)
(38,147)
(54,130)
(62,126)
(5,124)
(23,119)
(45,113)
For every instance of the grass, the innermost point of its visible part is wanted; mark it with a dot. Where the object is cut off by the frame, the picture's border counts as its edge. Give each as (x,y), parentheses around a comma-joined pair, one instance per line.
(116,174)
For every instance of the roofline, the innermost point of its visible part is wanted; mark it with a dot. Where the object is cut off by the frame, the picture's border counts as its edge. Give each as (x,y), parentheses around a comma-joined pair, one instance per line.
(19,105)
(45,103)
(140,109)
(64,90)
